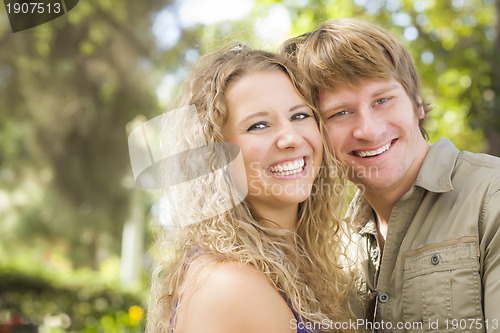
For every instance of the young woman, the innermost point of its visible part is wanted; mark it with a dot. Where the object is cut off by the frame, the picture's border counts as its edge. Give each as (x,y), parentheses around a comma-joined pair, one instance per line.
(270,262)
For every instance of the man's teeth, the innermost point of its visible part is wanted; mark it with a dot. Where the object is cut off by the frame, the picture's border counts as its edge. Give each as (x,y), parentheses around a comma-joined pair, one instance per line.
(288,168)
(373,152)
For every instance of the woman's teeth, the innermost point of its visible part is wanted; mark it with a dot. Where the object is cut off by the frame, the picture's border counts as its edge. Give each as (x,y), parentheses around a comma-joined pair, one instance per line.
(288,168)
(371,153)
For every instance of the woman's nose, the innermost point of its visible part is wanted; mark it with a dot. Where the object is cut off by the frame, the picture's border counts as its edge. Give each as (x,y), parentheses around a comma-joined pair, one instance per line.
(288,137)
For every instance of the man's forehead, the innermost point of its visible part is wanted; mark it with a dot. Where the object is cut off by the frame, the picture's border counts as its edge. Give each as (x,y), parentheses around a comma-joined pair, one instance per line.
(355,85)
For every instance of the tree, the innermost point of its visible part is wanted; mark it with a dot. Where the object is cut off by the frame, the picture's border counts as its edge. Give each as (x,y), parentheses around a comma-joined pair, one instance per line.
(68,88)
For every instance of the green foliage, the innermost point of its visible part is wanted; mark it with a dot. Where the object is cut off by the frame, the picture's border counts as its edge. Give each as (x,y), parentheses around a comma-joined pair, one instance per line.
(79,302)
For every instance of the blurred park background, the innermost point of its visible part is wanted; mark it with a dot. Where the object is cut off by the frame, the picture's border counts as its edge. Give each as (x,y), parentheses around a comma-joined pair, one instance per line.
(75,231)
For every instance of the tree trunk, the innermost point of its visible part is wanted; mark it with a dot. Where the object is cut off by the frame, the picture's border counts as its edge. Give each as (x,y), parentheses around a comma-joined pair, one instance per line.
(131,267)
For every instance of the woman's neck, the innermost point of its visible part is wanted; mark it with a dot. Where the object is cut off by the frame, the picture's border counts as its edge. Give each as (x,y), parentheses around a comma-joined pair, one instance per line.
(283,217)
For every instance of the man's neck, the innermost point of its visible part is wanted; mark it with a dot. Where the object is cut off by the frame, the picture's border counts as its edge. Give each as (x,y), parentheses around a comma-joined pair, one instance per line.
(382,204)
(382,227)
(383,201)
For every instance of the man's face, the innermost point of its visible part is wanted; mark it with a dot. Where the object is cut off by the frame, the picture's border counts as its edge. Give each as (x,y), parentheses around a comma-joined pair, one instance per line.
(373,129)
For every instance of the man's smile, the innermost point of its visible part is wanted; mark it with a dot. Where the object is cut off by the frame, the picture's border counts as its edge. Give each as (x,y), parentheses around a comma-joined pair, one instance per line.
(373,152)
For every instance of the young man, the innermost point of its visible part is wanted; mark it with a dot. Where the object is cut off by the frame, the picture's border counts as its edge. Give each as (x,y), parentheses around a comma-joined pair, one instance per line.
(427,217)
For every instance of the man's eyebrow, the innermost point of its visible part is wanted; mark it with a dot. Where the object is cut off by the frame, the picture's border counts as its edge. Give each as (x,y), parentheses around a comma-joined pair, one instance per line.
(385,89)
(375,93)
(334,107)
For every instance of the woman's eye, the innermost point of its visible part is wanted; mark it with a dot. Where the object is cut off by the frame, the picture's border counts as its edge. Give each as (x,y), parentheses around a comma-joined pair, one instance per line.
(257,126)
(300,116)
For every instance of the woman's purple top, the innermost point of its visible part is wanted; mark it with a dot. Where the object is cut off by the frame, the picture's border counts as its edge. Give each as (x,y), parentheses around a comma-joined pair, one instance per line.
(299,323)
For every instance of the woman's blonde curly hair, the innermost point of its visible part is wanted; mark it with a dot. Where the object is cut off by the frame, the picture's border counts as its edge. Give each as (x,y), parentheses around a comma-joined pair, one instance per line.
(307,272)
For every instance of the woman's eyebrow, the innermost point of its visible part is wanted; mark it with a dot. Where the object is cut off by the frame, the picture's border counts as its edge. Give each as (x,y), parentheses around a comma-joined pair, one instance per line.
(298,106)
(253,115)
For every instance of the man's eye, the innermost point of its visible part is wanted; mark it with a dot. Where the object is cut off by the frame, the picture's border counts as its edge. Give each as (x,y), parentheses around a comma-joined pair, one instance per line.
(381,101)
(257,126)
(340,113)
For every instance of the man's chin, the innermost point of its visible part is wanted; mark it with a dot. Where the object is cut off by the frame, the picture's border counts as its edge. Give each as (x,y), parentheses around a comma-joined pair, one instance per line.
(372,184)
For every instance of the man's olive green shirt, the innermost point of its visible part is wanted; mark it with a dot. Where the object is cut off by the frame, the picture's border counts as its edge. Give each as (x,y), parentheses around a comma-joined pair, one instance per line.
(440,267)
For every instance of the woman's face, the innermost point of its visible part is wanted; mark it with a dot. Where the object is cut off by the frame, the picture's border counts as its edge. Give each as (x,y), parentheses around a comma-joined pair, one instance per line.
(278,137)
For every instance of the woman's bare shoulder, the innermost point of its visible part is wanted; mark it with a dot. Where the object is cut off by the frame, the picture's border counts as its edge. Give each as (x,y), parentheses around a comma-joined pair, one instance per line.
(228,296)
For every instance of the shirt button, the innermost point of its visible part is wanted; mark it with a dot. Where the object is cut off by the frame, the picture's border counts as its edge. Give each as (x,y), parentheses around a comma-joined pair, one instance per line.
(435,259)
(383,298)
(375,253)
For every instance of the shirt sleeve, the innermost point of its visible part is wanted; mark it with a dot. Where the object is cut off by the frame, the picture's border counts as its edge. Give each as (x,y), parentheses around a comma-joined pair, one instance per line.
(490,253)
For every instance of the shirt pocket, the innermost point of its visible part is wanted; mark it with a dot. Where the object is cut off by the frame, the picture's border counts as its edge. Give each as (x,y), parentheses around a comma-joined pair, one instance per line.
(442,288)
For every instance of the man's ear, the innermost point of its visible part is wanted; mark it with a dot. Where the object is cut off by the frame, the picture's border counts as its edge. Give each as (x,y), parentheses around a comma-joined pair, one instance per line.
(420,108)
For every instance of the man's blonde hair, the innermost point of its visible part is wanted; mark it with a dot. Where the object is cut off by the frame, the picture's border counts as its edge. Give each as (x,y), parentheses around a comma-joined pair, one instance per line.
(344,51)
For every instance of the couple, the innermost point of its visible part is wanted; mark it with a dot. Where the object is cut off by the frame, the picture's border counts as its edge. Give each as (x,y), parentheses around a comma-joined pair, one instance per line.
(425,221)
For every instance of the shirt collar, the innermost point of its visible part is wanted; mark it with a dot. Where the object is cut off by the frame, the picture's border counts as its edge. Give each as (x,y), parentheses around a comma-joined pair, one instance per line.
(439,163)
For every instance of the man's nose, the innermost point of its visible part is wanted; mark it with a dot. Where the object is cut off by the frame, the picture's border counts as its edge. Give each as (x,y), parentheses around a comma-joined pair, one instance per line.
(368,126)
